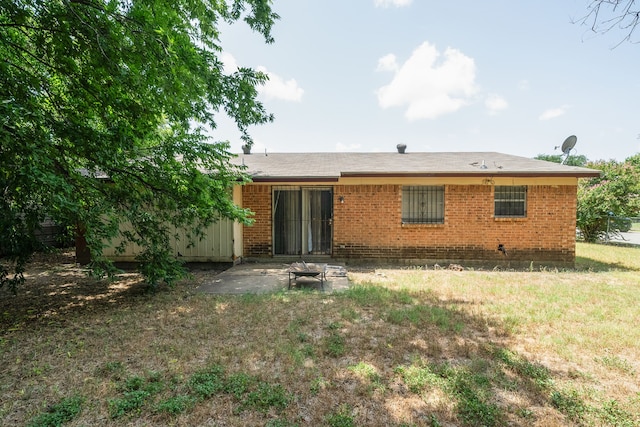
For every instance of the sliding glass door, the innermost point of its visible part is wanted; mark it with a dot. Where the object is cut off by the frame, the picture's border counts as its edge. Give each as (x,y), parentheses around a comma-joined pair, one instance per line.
(302,220)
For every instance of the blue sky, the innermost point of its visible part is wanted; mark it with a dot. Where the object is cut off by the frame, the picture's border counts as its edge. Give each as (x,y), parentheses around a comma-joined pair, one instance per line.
(511,76)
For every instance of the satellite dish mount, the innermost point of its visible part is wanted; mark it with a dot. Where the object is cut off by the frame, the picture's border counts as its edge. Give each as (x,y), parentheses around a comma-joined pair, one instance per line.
(567,146)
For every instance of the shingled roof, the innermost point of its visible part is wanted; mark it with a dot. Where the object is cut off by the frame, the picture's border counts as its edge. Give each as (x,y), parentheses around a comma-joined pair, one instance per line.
(331,166)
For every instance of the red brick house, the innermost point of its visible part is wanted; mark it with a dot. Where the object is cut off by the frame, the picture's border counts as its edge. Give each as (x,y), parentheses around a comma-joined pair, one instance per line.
(466,208)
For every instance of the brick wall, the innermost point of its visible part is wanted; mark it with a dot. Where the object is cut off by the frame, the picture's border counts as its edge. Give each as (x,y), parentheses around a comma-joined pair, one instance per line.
(256,238)
(368,226)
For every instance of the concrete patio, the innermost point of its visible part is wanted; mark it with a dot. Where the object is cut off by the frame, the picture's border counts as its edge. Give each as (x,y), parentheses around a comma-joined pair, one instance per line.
(258,278)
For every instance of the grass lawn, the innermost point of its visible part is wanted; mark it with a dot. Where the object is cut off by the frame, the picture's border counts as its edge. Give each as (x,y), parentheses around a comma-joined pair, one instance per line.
(401,347)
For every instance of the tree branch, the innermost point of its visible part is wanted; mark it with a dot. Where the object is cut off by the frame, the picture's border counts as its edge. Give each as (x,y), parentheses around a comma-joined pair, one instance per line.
(625,17)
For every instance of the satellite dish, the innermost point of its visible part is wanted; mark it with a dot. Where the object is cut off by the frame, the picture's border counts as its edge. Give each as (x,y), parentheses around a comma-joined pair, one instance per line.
(569,143)
(567,146)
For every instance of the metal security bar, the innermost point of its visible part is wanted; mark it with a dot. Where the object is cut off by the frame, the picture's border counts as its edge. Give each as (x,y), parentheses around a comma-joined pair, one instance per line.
(423,204)
(510,201)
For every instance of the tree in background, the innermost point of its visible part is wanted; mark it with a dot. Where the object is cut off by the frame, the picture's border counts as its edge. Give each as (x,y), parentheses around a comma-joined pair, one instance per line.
(616,193)
(103,111)
(580,160)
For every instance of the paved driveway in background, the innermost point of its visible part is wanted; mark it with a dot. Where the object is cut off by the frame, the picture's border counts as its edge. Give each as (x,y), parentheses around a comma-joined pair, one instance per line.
(632,237)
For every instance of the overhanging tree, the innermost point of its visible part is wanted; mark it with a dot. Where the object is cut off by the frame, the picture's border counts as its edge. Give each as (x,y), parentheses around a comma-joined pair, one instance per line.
(103,111)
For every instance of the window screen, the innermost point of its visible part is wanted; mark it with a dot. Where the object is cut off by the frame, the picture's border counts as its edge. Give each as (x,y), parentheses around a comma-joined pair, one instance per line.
(510,201)
(423,204)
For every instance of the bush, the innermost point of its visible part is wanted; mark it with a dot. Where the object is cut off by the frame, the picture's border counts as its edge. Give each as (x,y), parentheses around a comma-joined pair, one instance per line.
(605,202)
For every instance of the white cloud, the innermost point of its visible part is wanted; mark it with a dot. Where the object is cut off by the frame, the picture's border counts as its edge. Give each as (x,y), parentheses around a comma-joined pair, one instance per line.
(552,113)
(495,104)
(387,63)
(277,88)
(429,84)
(395,3)
(229,62)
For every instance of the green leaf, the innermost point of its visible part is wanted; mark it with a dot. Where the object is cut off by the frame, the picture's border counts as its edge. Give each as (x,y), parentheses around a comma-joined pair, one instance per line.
(102,111)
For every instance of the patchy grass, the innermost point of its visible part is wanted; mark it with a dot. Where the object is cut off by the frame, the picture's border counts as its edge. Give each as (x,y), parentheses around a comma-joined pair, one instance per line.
(601,257)
(58,414)
(401,347)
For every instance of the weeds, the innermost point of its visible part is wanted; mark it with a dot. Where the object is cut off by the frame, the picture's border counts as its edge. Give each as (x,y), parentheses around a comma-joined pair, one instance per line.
(296,325)
(334,345)
(369,373)
(433,421)
(238,384)
(349,314)
(114,369)
(539,374)
(617,363)
(474,407)
(570,404)
(266,396)
(418,378)
(365,370)
(318,384)
(369,295)
(136,391)
(280,423)
(177,404)
(611,414)
(62,412)
(334,326)
(471,390)
(419,315)
(341,418)
(208,382)
(130,401)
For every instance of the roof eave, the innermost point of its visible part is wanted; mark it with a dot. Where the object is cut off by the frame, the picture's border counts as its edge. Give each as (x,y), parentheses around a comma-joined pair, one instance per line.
(585,174)
(294,179)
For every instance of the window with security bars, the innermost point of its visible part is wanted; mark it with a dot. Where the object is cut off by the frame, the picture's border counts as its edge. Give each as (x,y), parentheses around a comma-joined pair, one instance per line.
(423,204)
(510,201)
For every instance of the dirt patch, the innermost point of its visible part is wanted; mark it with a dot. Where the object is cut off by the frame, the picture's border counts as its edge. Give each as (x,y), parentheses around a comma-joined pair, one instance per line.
(57,288)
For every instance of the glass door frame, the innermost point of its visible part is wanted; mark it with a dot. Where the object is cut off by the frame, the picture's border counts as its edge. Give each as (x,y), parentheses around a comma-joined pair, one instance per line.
(313,232)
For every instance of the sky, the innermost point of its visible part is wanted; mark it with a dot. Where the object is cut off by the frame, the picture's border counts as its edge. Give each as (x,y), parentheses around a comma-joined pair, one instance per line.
(511,76)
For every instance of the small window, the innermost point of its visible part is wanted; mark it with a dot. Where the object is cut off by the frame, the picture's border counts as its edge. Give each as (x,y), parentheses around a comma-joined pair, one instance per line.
(423,204)
(510,201)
